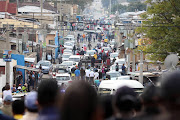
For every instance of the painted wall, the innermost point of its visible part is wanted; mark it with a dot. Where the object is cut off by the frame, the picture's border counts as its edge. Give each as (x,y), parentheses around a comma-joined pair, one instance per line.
(3,76)
(20,61)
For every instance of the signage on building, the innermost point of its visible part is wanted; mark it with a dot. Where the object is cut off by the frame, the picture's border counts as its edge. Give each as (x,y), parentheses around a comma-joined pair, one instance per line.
(7,55)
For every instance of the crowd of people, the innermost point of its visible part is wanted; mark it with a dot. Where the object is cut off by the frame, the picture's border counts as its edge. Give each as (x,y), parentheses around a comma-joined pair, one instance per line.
(80,101)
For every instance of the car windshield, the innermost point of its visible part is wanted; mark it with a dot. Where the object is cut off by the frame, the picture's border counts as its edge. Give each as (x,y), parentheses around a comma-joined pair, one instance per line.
(114,75)
(113,55)
(69,44)
(90,52)
(66,56)
(67,63)
(106,49)
(66,38)
(44,63)
(62,78)
(74,59)
(104,91)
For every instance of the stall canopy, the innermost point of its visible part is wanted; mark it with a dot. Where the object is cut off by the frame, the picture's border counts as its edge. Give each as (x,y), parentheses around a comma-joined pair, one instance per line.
(27,68)
(31,60)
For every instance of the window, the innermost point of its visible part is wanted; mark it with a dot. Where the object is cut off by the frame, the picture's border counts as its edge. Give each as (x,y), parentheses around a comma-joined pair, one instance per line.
(51,42)
(2,69)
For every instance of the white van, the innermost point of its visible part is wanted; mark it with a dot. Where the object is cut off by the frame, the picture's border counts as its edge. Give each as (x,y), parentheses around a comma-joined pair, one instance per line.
(109,87)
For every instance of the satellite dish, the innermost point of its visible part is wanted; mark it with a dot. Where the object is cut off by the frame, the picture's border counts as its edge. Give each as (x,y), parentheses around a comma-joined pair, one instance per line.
(171,61)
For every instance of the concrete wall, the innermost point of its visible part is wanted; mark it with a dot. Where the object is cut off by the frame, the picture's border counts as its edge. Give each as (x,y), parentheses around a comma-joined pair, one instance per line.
(3,76)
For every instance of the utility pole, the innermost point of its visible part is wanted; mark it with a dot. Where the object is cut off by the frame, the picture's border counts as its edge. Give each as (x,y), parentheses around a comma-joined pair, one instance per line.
(17,39)
(133,62)
(33,34)
(8,47)
(141,68)
(109,7)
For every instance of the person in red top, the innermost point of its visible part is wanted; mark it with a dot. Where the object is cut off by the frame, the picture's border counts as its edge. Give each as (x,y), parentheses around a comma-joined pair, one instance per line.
(62,51)
(107,53)
(85,48)
(108,62)
(77,53)
(102,50)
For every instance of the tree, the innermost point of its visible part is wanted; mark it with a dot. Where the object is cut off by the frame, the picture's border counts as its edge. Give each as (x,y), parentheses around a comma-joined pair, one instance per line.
(161,28)
(130,8)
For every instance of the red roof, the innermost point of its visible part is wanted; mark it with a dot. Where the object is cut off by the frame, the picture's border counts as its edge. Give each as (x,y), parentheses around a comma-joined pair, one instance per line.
(2,6)
(12,8)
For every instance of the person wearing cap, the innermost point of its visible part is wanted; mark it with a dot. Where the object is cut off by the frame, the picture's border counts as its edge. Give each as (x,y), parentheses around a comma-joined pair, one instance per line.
(77,73)
(124,102)
(7,106)
(31,106)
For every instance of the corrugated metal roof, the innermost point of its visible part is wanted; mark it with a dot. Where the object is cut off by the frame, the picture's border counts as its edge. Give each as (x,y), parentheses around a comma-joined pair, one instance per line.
(33,9)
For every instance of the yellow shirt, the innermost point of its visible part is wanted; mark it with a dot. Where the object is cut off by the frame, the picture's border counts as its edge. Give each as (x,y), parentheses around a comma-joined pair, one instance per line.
(95,56)
(18,116)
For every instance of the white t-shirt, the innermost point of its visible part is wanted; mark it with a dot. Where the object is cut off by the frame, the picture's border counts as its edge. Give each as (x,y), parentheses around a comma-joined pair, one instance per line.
(87,72)
(96,75)
(6,92)
(91,74)
(49,57)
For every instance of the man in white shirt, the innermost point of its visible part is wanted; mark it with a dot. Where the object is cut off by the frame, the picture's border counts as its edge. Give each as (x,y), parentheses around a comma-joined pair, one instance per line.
(87,74)
(7,91)
(91,75)
(96,75)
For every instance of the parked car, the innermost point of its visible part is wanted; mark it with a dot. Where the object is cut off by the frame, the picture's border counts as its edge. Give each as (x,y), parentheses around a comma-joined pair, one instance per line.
(65,56)
(67,65)
(63,78)
(109,87)
(106,49)
(46,66)
(113,74)
(89,52)
(75,58)
(67,51)
(68,45)
(114,55)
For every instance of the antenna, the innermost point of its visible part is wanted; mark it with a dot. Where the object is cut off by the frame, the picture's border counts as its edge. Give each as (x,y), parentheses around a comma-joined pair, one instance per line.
(171,61)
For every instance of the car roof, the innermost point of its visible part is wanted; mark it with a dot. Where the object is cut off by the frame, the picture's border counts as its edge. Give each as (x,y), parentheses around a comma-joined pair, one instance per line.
(115,84)
(75,56)
(67,53)
(44,61)
(62,74)
(90,51)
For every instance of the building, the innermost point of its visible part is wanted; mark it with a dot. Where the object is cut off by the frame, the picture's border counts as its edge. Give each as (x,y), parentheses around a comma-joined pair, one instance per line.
(6,6)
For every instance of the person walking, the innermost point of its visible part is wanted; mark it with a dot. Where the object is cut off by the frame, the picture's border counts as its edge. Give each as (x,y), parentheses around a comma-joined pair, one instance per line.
(91,75)
(117,67)
(87,74)
(123,70)
(108,62)
(92,61)
(60,58)
(79,64)
(74,49)
(77,74)
(82,73)
(89,45)
(73,73)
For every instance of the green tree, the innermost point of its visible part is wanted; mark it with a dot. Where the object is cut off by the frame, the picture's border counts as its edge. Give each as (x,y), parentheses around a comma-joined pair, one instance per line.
(130,8)
(161,28)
